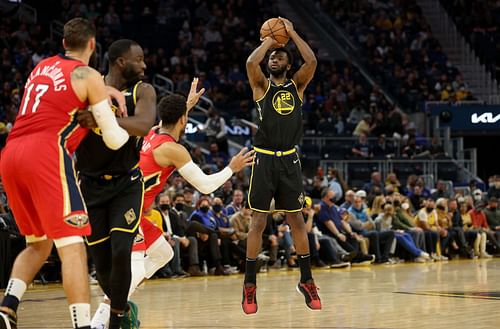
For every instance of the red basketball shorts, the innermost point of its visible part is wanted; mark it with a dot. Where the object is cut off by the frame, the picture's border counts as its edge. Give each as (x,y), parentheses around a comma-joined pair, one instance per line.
(42,189)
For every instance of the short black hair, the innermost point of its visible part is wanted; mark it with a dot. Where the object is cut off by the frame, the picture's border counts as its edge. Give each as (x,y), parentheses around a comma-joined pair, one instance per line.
(77,32)
(171,108)
(286,51)
(119,48)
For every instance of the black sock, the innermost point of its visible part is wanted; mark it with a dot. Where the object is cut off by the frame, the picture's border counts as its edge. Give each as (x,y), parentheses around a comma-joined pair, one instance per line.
(305,267)
(86,327)
(115,320)
(11,302)
(251,271)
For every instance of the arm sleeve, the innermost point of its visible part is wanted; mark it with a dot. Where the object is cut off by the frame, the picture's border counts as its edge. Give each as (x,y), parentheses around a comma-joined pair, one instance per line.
(204,183)
(113,135)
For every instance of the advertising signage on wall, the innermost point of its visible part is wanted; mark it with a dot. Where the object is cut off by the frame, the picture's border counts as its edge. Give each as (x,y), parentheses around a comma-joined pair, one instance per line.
(468,119)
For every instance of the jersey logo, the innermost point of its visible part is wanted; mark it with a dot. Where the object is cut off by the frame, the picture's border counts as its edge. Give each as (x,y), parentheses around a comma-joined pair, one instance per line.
(77,220)
(301,199)
(130,216)
(283,102)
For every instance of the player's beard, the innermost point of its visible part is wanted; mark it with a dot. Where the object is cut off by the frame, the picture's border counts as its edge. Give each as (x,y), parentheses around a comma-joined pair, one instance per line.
(279,72)
(130,75)
(93,60)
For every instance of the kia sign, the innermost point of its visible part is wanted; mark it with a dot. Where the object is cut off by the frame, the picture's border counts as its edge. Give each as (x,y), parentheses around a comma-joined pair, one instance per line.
(486,117)
(468,119)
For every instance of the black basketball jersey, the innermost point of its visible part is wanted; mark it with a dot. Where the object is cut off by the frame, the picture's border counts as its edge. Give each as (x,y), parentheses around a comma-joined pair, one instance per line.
(280,114)
(95,159)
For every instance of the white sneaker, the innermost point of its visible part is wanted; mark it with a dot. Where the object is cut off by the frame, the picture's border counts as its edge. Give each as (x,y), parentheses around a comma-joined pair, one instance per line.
(443,258)
(420,259)
(486,255)
(101,317)
(424,255)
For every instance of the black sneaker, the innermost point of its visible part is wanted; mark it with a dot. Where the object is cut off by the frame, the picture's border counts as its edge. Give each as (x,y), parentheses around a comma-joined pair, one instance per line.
(8,318)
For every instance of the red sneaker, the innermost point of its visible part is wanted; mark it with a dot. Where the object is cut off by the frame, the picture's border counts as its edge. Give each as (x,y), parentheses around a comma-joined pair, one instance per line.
(310,292)
(249,302)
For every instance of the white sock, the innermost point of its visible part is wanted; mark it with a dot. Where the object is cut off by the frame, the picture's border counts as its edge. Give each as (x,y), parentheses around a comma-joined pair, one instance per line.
(80,314)
(101,317)
(16,287)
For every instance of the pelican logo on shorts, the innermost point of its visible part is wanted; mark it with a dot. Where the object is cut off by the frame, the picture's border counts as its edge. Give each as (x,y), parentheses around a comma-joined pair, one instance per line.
(301,198)
(78,220)
(130,216)
(97,130)
(283,102)
(139,238)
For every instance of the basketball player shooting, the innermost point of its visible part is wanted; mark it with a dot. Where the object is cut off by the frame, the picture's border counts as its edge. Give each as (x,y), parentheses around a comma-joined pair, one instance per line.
(276,172)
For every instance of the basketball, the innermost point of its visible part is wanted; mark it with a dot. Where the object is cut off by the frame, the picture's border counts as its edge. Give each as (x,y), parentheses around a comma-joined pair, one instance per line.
(274,28)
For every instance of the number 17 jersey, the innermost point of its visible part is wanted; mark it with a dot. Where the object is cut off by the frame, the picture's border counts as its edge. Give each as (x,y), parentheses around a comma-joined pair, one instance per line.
(49,104)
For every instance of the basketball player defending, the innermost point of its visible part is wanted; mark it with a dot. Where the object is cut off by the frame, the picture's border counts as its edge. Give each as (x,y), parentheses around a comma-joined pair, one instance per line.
(276,172)
(42,190)
(111,180)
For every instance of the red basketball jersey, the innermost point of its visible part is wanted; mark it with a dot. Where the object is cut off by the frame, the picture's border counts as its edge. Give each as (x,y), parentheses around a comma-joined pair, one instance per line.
(155,176)
(49,104)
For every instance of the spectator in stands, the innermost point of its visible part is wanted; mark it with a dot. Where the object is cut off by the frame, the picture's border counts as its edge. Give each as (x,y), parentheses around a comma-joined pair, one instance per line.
(383,149)
(494,189)
(330,223)
(493,216)
(441,191)
(479,222)
(198,157)
(392,179)
(176,225)
(457,227)
(188,194)
(336,183)
(376,182)
(349,198)
(481,236)
(362,148)
(206,234)
(383,223)
(380,242)
(240,222)
(225,192)
(217,158)
(416,197)
(364,126)
(427,219)
(215,129)
(403,220)
(236,203)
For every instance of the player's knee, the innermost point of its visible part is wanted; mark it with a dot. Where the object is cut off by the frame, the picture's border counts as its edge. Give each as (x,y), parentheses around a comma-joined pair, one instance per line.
(163,252)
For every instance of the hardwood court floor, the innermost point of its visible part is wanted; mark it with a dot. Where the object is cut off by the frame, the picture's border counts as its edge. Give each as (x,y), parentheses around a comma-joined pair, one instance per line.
(457,294)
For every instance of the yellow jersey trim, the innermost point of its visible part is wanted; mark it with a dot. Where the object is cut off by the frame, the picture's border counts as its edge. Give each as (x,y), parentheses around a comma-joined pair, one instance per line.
(267,90)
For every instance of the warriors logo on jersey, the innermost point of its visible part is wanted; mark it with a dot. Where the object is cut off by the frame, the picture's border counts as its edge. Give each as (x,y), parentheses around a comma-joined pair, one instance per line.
(283,102)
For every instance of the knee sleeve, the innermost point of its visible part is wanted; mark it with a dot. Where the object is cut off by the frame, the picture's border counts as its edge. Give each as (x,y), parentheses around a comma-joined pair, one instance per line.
(66,241)
(157,256)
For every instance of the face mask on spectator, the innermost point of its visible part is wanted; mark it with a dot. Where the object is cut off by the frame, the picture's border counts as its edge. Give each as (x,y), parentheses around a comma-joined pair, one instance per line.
(179,206)
(491,184)
(204,209)
(405,206)
(164,207)
(477,197)
(429,209)
(217,207)
(493,208)
(332,200)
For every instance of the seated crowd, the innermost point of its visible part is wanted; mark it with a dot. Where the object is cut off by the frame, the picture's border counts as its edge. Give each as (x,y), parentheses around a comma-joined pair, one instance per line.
(400,50)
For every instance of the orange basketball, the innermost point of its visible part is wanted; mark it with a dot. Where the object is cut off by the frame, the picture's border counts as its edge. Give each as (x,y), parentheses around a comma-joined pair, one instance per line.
(274,28)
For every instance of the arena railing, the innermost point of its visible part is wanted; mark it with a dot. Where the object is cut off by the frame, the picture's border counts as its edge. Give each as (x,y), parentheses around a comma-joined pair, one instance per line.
(357,171)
